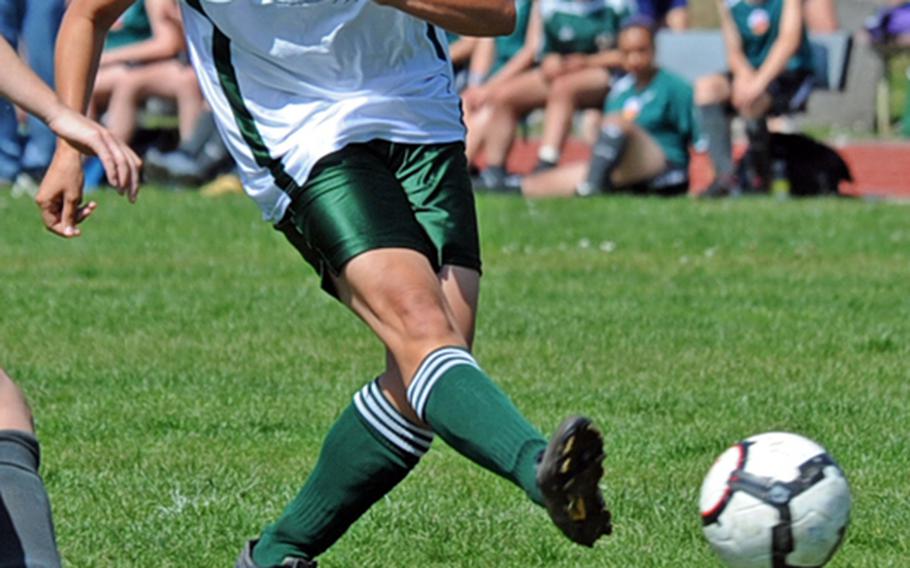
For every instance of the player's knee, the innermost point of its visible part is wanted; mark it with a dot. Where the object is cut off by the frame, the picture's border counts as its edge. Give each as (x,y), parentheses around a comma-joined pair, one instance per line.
(710,90)
(617,123)
(422,318)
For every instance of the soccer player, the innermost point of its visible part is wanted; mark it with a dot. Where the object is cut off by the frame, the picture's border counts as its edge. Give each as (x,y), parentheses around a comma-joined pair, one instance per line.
(26,529)
(344,123)
(770,75)
(644,142)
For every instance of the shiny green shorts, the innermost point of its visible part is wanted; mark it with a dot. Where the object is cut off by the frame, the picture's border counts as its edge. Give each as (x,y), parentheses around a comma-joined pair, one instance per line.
(382,194)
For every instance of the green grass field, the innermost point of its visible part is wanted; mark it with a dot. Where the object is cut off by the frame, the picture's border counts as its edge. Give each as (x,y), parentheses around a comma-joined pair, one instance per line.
(183,366)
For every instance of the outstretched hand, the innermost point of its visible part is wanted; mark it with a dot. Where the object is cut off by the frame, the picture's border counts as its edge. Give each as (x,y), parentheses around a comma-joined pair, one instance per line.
(121,164)
(60,195)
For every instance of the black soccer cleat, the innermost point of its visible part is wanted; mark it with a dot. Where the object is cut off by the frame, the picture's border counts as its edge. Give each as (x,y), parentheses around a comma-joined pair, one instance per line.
(568,476)
(246,559)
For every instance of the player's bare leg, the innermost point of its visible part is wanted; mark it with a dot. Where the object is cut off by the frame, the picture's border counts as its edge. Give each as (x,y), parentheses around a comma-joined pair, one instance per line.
(449,392)
(641,160)
(432,381)
(581,89)
(27,535)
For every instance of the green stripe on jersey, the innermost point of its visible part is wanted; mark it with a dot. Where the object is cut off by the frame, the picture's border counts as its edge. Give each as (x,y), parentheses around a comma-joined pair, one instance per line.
(227,77)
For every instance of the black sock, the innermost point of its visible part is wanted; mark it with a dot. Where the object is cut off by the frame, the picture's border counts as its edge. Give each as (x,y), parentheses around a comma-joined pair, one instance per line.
(715,127)
(26,528)
(605,157)
(758,156)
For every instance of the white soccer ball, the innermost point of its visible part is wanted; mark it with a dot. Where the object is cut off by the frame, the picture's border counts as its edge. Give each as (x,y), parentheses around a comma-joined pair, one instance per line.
(775,500)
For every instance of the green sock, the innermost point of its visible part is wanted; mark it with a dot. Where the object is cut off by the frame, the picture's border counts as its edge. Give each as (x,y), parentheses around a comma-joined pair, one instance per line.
(454,396)
(368,451)
(26,528)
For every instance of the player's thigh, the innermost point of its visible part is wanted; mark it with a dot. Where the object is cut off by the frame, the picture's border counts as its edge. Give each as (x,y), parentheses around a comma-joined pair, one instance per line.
(586,88)
(642,160)
(352,203)
(521,94)
(14,411)
(397,294)
(155,79)
(106,81)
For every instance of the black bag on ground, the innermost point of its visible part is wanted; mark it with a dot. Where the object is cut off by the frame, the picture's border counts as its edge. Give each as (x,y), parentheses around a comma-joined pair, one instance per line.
(813,168)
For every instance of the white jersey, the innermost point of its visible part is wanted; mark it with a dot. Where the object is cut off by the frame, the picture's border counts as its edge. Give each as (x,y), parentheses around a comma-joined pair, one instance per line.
(291,81)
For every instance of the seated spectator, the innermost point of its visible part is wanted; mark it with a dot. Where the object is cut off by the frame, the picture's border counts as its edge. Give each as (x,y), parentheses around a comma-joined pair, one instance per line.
(770,74)
(673,14)
(495,62)
(23,159)
(578,45)
(644,142)
(143,58)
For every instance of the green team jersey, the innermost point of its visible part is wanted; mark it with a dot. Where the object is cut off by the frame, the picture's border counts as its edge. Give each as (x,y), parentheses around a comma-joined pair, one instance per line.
(664,109)
(581,26)
(508,46)
(132,27)
(758,22)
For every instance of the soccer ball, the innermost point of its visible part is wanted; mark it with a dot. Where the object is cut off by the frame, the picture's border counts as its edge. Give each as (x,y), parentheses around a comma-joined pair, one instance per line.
(775,500)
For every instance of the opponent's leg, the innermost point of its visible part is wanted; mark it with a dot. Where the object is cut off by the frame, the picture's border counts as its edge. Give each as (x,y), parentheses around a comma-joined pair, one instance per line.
(26,529)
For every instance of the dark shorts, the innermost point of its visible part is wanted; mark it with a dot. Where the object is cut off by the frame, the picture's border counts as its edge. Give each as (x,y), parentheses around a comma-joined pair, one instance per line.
(789,92)
(382,194)
(672,182)
(656,10)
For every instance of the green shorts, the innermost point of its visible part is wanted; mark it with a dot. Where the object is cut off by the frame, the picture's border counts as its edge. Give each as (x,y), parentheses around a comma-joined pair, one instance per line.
(382,194)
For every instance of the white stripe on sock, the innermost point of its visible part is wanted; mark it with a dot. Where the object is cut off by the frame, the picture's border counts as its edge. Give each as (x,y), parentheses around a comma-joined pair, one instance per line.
(422,370)
(376,394)
(420,405)
(381,415)
(430,371)
(380,427)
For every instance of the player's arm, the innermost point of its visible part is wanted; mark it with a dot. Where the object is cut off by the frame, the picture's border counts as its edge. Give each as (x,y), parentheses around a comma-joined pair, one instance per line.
(166,40)
(786,44)
(524,59)
(25,89)
(79,44)
(733,43)
(19,84)
(465,17)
